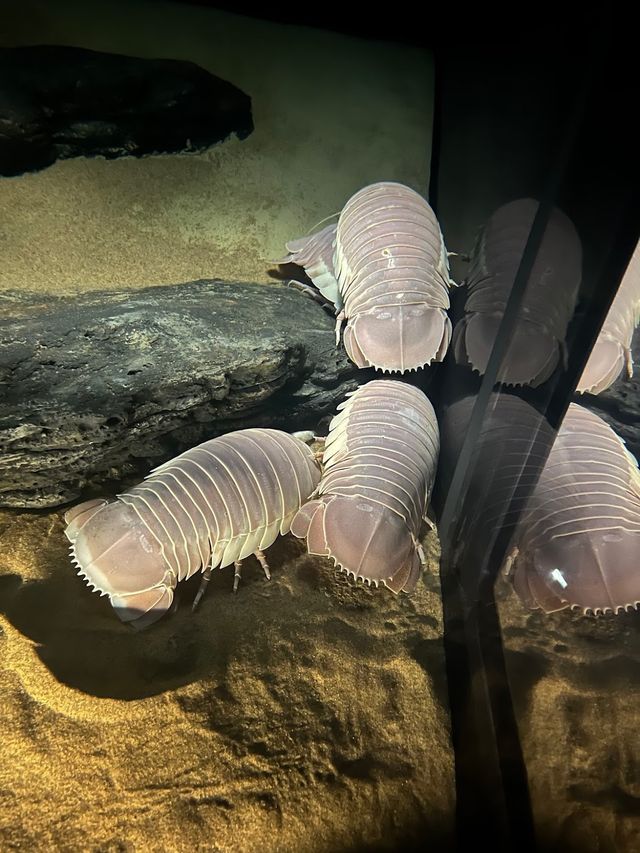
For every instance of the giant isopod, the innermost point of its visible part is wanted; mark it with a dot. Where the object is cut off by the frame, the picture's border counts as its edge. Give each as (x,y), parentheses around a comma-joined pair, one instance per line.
(385,268)
(213,505)
(578,541)
(612,350)
(548,302)
(380,461)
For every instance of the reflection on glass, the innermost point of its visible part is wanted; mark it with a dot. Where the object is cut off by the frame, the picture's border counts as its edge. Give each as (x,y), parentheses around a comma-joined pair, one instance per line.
(612,351)
(547,305)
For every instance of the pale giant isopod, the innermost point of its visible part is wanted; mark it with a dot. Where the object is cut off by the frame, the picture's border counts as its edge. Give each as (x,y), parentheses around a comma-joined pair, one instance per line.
(380,461)
(548,302)
(211,506)
(385,268)
(612,350)
(578,542)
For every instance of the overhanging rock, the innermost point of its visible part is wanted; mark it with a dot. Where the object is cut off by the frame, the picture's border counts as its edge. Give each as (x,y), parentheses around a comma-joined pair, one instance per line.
(103,386)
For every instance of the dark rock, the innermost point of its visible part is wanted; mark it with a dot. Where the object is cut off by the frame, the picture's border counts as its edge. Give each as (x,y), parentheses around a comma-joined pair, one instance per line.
(619,406)
(60,102)
(105,385)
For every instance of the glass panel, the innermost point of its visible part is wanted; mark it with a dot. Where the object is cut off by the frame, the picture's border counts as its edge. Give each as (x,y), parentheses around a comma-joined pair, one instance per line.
(525,155)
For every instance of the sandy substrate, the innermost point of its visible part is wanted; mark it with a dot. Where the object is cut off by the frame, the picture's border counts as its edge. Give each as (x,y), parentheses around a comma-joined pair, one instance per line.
(331,115)
(575,682)
(302,714)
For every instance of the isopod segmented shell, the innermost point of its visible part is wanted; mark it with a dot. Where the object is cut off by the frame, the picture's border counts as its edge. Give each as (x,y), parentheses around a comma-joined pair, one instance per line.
(578,542)
(385,268)
(213,505)
(380,460)
(612,350)
(548,301)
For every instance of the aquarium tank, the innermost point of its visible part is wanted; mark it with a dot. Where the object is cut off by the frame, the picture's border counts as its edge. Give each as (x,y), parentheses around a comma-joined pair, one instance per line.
(319,500)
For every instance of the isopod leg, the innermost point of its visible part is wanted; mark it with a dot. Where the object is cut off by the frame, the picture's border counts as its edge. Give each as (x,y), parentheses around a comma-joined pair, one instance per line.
(420,550)
(628,358)
(339,322)
(206,577)
(237,574)
(429,522)
(462,255)
(312,292)
(510,560)
(321,439)
(259,555)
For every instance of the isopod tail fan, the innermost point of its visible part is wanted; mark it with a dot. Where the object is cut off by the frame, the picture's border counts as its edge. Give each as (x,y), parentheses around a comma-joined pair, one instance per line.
(414,335)
(362,539)
(578,540)
(594,573)
(531,358)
